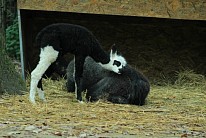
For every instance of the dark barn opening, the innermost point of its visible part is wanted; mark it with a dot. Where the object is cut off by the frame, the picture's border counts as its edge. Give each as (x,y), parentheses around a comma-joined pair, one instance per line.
(159,47)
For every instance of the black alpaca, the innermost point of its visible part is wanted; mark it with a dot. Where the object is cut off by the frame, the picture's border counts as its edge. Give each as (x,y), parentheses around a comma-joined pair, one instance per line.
(55,41)
(130,87)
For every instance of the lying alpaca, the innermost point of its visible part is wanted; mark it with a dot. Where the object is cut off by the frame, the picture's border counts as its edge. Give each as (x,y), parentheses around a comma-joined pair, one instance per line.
(130,87)
(55,41)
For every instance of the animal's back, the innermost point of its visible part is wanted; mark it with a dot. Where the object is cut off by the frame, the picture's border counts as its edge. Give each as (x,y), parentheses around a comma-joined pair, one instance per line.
(67,38)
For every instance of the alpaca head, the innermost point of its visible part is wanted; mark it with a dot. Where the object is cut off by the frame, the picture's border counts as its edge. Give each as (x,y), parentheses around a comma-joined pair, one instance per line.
(116,63)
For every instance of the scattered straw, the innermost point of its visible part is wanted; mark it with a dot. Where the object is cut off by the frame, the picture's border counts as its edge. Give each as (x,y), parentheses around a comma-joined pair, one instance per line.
(170,110)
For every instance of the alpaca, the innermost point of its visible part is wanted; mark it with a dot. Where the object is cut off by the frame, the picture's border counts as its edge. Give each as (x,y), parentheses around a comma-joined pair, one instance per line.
(130,87)
(56,40)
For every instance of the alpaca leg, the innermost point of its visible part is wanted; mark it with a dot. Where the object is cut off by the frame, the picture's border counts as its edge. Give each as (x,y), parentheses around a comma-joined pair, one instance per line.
(117,99)
(47,56)
(40,91)
(78,72)
(78,88)
(70,84)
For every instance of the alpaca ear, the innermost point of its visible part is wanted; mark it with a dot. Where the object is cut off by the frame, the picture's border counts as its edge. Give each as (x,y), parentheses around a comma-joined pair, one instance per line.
(113,52)
(114,49)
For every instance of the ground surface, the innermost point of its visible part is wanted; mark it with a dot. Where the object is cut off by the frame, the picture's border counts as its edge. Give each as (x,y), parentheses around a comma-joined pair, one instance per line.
(171,111)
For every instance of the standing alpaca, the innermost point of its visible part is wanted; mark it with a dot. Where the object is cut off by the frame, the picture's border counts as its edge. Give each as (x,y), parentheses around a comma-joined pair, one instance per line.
(56,40)
(130,87)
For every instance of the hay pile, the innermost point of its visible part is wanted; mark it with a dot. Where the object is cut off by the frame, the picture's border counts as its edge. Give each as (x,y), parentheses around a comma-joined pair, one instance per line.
(171,110)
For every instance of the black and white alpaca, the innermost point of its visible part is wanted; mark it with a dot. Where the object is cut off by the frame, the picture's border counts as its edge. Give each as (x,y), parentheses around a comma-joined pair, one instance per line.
(130,87)
(59,39)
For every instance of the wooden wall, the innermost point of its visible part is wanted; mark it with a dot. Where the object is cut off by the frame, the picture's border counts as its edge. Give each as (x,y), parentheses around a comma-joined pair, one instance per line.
(159,47)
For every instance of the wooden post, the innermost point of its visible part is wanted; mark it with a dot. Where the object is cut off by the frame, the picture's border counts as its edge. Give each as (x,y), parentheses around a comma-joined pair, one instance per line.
(3,24)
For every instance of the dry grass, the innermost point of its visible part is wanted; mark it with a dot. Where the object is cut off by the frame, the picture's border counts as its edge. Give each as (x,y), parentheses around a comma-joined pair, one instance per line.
(172,110)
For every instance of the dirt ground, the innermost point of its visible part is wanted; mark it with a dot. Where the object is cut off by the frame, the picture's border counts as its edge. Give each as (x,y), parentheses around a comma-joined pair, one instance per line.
(171,111)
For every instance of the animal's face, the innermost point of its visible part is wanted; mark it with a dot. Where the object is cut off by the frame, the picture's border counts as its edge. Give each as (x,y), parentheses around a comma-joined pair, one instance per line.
(117,62)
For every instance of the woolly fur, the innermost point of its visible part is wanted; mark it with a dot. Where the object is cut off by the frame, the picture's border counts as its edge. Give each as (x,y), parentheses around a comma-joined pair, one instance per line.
(47,56)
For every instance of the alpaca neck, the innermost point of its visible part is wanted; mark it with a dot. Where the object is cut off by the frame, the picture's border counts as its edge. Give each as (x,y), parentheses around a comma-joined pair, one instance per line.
(99,55)
(102,57)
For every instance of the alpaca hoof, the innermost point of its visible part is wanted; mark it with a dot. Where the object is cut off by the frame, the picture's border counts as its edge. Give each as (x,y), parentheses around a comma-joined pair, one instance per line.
(43,100)
(81,102)
(32,101)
